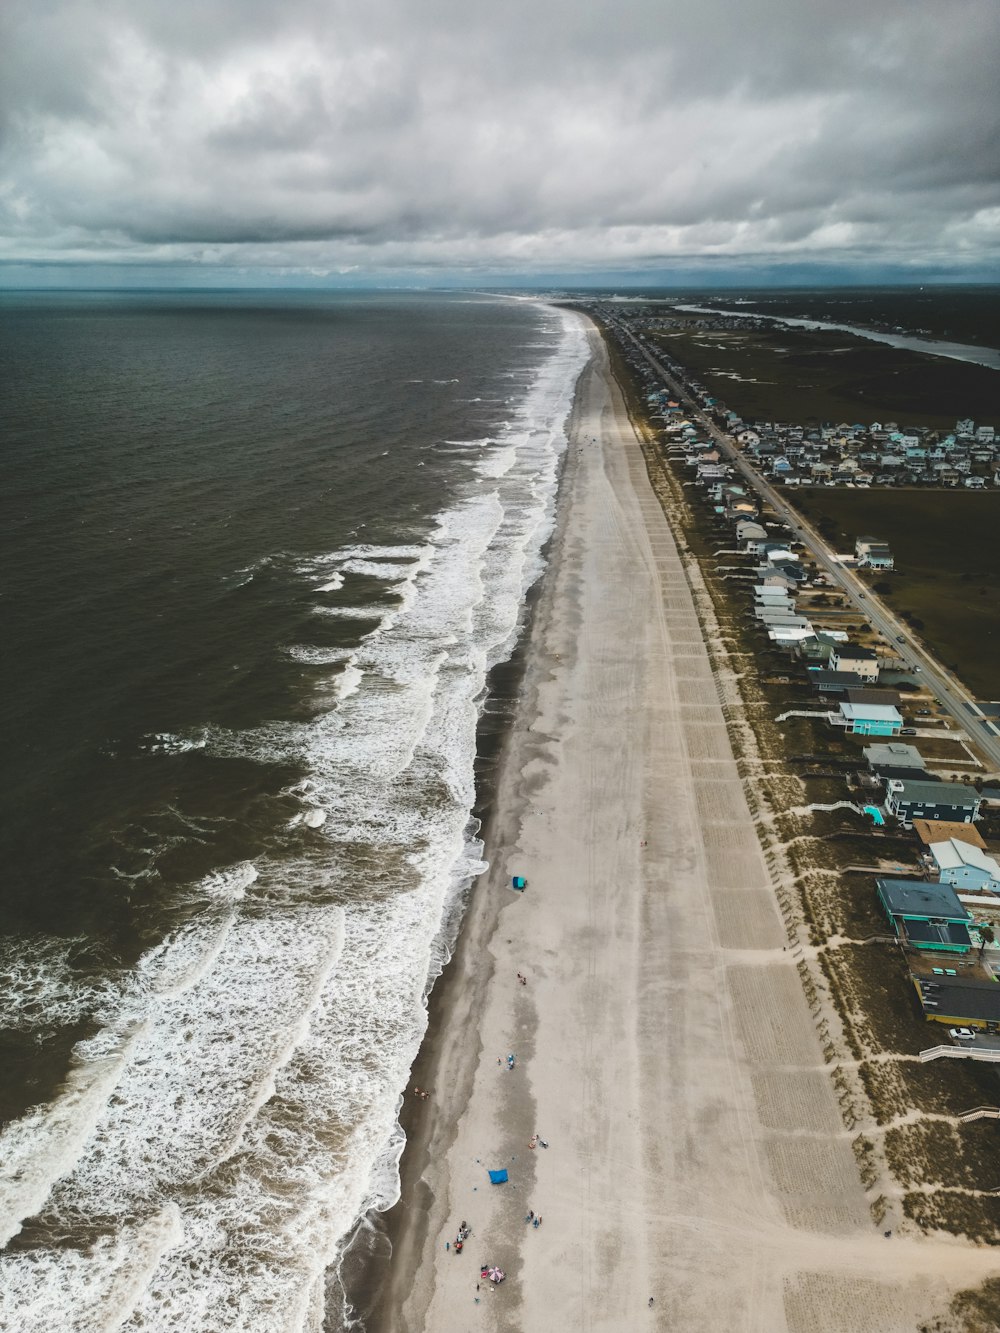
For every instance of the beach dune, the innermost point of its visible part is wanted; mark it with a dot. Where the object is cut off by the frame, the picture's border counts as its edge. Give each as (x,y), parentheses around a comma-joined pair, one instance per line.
(663,1046)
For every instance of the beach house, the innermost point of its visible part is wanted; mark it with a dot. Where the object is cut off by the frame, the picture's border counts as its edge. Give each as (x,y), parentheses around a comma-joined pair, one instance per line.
(851,657)
(894,760)
(952,801)
(872,554)
(925,916)
(954,1000)
(965,867)
(868,719)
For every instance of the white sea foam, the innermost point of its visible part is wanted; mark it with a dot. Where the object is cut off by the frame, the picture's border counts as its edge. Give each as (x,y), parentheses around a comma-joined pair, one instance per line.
(257,1056)
(350,612)
(47,1143)
(39,988)
(377,569)
(166,743)
(314,656)
(95,1289)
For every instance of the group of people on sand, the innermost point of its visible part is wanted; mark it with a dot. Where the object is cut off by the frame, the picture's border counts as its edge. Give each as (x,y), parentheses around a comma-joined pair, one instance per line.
(536,1139)
(421,1094)
(464,1232)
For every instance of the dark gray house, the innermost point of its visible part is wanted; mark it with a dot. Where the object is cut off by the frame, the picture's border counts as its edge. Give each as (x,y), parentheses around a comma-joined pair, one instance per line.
(953,801)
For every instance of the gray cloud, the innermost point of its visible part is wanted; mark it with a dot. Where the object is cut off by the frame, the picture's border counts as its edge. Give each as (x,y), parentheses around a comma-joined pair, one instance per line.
(448,136)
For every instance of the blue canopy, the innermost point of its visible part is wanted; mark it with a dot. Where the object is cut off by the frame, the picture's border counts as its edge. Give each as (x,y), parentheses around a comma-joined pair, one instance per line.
(517,882)
(498,1177)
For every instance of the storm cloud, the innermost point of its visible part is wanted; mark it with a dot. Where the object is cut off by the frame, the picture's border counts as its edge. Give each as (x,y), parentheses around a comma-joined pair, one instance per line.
(447,137)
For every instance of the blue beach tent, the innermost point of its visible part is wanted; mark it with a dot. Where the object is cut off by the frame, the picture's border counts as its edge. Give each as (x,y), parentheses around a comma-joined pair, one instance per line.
(518,882)
(498,1177)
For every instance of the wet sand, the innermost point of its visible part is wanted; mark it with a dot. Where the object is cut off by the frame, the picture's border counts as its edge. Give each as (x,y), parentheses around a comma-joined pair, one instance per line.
(664,1047)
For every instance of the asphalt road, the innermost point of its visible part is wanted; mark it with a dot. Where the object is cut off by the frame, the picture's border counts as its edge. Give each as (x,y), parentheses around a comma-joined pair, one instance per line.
(949,692)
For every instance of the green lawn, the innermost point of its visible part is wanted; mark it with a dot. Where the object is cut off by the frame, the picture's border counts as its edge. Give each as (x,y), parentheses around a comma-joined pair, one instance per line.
(947,575)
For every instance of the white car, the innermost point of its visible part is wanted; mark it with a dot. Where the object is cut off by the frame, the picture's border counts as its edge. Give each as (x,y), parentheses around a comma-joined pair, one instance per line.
(962,1034)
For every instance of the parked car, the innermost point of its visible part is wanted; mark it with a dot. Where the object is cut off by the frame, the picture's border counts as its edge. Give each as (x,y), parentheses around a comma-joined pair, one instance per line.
(907,731)
(962,1034)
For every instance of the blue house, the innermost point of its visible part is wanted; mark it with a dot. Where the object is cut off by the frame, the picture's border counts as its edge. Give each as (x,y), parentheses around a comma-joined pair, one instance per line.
(868,719)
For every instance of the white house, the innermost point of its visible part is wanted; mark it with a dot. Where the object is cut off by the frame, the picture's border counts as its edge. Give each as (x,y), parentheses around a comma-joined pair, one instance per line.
(790,633)
(965,867)
(751,533)
(861,661)
(776,553)
(872,553)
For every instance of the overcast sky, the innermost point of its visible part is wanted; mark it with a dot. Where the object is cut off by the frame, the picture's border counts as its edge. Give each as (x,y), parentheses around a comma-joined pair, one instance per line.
(455,137)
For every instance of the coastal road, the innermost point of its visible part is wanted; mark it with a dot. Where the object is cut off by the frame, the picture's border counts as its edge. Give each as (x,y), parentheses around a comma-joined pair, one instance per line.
(949,692)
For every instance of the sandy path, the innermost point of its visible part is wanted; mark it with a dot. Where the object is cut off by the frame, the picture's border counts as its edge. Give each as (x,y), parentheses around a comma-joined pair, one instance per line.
(697,1154)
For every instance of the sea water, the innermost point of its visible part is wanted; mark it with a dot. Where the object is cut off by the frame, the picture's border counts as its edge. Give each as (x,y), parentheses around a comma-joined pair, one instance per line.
(262,551)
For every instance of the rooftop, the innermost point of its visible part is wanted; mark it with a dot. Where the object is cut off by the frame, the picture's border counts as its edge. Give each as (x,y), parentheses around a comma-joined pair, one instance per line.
(916,897)
(892,755)
(854,650)
(872,695)
(937,830)
(871,713)
(958,997)
(937,793)
(953,853)
(936,932)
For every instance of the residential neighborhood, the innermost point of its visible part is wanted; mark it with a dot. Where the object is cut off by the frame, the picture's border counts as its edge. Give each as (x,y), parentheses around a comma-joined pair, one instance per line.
(842,453)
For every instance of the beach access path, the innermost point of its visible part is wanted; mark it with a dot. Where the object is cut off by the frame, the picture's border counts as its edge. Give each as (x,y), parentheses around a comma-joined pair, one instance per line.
(663,1045)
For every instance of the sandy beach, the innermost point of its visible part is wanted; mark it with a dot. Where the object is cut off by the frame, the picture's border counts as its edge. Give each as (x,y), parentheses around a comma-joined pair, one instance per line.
(664,1048)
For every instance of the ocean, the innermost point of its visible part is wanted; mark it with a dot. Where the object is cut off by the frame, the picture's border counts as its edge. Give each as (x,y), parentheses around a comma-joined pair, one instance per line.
(261,551)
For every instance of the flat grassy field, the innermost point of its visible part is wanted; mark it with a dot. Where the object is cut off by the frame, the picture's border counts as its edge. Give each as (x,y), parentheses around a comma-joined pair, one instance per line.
(947,576)
(797,375)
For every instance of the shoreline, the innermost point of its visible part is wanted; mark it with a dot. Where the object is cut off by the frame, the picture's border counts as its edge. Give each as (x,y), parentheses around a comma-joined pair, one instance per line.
(382,1253)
